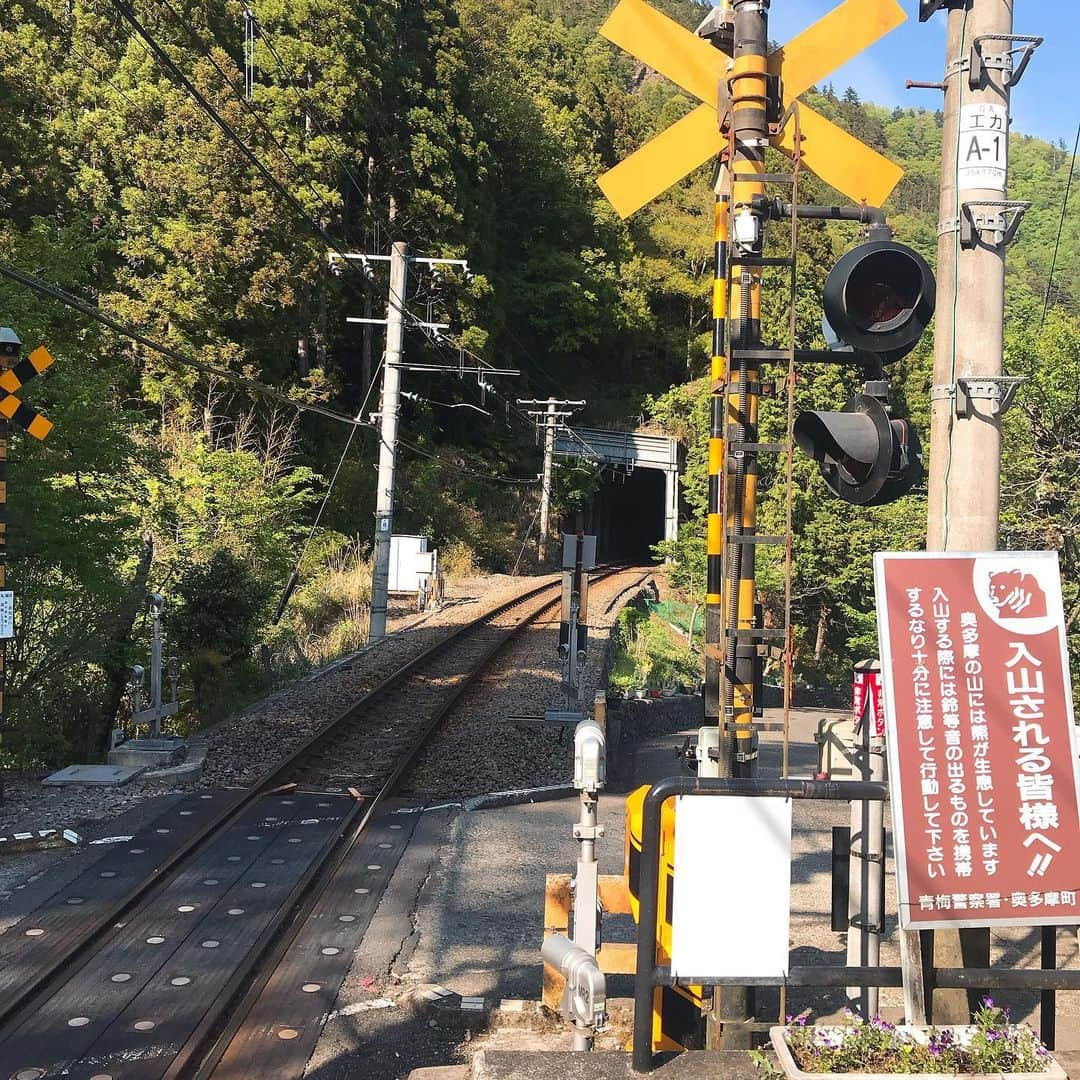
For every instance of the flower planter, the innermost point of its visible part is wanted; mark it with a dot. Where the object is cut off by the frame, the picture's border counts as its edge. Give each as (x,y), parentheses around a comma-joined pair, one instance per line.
(1053,1070)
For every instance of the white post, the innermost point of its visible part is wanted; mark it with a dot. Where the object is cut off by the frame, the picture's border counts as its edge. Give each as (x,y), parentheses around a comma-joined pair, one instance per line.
(671,504)
(545,494)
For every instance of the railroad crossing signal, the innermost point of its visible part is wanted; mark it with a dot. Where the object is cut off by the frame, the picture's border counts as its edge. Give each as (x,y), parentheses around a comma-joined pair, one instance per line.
(14,378)
(701,69)
(878,299)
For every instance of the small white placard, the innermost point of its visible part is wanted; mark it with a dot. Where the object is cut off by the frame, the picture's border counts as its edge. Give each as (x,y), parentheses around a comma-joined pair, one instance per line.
(7,614)
(984,146)
(732,905)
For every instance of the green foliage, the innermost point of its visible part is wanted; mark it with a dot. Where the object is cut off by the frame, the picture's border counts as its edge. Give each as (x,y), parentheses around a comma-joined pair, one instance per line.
(478,127)
(648,653)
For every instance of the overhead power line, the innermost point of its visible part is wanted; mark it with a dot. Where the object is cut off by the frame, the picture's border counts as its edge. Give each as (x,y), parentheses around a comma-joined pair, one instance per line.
(335,146)
(54,292)
(1061,226)
(207,54)
(170,66)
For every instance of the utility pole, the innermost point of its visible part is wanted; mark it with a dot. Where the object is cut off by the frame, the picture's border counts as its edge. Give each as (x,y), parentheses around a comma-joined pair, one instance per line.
(389,405)
(397,320)
(976,223)
(970,393)
(549,418)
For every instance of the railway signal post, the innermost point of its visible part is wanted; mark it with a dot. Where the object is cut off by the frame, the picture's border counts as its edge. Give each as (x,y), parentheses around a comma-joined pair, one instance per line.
(749,103)
(14,373)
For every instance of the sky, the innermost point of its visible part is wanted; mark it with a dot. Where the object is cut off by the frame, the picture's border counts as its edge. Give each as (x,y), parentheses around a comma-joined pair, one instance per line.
(1046,103)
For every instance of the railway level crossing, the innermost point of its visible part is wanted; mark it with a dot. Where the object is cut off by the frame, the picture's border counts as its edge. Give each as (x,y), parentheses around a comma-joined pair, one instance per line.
(749,103)
(884,296)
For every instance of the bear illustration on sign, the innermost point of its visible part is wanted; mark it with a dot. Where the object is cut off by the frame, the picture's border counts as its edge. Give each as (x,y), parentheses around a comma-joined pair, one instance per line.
(1017,595)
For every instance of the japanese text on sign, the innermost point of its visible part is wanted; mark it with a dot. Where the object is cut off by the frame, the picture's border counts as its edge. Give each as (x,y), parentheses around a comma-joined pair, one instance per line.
(984,146)
(981,741)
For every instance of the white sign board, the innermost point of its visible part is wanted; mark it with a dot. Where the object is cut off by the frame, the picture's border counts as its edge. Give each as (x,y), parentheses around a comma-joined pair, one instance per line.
(731,909)
(984,146)
(569,551)
(7,615)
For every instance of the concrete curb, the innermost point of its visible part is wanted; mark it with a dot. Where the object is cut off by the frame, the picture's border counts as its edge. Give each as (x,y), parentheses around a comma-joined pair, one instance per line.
(493,800)
(449,1009)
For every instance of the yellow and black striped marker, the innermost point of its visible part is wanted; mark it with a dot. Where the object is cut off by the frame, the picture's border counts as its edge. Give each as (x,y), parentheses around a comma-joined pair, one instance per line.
(14,379)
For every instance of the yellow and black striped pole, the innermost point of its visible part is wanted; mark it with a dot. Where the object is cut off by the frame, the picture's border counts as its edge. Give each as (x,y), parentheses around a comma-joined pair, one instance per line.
(714,540)
(10,346)
(14,373)
(749,138)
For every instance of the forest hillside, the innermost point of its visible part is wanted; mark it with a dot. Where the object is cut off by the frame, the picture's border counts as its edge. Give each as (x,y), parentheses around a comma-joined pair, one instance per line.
(140,175)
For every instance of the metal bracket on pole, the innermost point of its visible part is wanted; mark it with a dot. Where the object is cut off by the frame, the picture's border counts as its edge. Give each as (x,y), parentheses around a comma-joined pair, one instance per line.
(1001,217)
(1000,391)
(1011,74)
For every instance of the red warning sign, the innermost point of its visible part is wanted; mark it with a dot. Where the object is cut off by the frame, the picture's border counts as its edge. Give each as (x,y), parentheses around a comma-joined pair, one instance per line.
(981,741)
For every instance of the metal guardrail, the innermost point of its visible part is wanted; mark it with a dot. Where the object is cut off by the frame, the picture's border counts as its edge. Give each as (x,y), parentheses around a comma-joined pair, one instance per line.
(649,975)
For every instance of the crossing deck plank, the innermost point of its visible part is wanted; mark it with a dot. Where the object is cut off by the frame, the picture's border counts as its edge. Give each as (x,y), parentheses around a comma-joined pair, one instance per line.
(45,937)
(279,1033)
(249,870)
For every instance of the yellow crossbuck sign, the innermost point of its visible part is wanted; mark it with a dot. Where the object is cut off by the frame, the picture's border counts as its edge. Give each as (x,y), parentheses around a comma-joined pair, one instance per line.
(12,380)
(699,68)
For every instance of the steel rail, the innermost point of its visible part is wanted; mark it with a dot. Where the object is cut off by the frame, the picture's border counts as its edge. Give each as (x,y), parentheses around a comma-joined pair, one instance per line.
(72,960)
(208,1057)
(37,987)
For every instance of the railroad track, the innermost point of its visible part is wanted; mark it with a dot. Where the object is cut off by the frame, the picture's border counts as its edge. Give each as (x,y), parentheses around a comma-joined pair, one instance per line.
(214,943)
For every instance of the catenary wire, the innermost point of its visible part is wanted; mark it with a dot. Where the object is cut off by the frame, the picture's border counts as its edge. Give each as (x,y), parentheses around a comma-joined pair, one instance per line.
(1061,226)
(170,66)
(207,54)
(60,295)
(332,141)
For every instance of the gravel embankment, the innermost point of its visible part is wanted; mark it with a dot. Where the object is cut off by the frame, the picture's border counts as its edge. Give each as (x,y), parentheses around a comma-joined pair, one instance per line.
(242,747)
(479,748)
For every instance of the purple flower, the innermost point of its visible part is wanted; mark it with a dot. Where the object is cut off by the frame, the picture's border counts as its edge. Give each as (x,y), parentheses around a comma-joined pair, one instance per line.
(988,1002)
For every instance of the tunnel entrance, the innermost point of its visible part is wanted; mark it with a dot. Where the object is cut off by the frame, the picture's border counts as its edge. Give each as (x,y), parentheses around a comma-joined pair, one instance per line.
(637,505)
(627,516)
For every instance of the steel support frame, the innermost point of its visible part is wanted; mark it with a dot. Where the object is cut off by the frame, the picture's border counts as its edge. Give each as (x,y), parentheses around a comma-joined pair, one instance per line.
(648,974)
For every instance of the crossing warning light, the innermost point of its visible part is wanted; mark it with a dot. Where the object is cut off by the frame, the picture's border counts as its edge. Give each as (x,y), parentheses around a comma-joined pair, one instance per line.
(878,300)
(866,456)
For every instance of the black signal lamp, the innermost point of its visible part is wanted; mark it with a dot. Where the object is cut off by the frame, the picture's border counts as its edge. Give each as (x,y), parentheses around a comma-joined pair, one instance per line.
(866,456)
(928,7)
(879,298)
(10,345)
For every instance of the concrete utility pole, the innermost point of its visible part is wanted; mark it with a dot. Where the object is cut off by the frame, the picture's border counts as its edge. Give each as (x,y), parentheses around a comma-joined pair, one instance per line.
(969,394)
(389,405)
(397,320)
(976,222)
(549,419)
